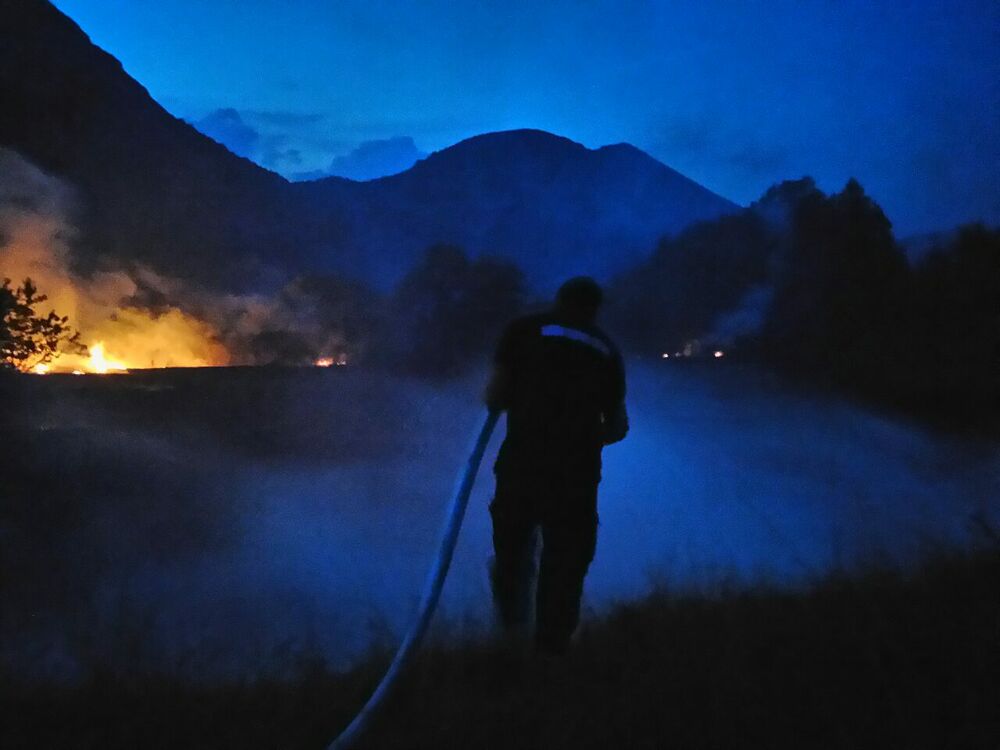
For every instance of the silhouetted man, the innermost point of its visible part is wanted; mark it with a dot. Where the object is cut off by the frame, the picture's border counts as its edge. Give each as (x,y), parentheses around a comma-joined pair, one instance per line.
(562,382)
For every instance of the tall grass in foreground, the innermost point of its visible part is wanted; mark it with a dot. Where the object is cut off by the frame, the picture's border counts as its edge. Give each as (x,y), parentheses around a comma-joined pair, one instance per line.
(881,659)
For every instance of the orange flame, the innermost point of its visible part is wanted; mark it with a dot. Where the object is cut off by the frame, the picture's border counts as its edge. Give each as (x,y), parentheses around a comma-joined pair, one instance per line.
(120,337)
(100,364)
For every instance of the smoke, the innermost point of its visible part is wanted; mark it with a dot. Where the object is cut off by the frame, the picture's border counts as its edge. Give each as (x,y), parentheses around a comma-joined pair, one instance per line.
(746,319)
(140,317)
(219,524)
(37,232)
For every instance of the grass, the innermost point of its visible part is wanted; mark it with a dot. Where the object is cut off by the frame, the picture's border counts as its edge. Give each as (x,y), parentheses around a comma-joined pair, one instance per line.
(881,660)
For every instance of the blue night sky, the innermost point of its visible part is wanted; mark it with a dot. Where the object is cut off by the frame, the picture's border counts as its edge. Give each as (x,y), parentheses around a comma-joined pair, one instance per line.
(737,95)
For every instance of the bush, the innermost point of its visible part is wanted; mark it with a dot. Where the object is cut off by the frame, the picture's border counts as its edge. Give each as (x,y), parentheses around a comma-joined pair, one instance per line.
(29,340)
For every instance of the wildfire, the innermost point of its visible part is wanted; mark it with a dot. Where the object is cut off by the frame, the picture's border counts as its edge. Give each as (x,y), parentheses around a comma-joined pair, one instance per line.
(104,306)
(134,339)
(100,364)
(340,361)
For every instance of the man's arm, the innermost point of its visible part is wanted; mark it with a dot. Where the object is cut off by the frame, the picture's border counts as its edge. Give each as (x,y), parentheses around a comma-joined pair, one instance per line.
(498,391)
(497,394)
(615,424)
(615,417)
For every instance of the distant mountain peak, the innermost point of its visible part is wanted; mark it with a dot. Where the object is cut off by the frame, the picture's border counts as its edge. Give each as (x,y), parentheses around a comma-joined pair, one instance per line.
(154,190)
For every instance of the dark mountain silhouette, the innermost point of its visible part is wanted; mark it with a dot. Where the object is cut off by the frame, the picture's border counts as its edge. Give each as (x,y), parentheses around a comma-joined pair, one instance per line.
(154,190)
(151,188)
(552,205)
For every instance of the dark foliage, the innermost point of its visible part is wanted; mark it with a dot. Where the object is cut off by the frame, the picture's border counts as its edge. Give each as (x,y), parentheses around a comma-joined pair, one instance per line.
(448,312)
(884,660)
(838,291)
(840,305)
(953,342)
(689,281)
(28,338)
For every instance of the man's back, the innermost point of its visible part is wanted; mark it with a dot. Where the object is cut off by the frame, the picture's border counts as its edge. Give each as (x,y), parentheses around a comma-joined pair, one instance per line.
(564,381)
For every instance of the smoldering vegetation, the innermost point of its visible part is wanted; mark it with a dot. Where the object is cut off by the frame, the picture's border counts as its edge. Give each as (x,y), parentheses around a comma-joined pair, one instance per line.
(817,286)
(812,285)
(208,525)
(439,320)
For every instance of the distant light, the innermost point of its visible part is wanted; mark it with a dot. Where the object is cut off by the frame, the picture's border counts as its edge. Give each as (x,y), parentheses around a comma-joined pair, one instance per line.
(324,362)
(78,372)
(342,360)
(40,369)
(719,353)
(666,356)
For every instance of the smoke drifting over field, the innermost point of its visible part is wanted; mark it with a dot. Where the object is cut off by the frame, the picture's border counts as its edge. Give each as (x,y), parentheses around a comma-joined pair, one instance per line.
(231,522)
(141,318)
(35,224)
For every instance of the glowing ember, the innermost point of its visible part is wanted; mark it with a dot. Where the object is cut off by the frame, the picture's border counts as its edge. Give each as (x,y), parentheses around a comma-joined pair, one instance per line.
(718,354)
(330,361)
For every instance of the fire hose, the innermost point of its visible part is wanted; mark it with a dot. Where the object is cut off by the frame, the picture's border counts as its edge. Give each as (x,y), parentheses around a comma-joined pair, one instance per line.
(432,591)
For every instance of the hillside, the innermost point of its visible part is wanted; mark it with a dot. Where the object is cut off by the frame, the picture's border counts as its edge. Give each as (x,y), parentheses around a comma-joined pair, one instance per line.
(546,202)
(150,187)
(153,189)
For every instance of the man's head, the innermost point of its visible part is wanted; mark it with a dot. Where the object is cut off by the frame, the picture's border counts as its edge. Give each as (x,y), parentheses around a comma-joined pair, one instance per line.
(579,299)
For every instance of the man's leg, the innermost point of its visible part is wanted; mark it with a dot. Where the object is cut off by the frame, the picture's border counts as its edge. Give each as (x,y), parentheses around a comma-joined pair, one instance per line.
(568,545)
(512,569)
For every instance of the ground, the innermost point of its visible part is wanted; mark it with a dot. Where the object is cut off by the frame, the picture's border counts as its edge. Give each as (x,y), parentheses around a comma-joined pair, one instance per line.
(880,660)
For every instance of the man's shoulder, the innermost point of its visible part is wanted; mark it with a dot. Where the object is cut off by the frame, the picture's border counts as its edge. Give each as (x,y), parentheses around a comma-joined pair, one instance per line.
(599,332)
(526,324)
(547,324)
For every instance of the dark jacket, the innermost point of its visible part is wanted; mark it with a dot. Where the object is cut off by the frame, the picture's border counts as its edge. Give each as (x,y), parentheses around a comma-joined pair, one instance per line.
(563,387)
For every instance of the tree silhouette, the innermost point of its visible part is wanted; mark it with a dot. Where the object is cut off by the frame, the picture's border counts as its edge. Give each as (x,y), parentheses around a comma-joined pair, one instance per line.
(449,309)
(27,338)
(840,287)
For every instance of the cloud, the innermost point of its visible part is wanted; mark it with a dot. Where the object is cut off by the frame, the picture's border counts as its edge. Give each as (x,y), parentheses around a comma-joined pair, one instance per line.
(284,119)
(282,159)
(756,159)
(377,158)
(299,145)
(286,142)
(711,140)
(228,128)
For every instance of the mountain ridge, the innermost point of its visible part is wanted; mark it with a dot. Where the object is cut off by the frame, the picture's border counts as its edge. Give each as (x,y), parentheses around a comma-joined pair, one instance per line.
(155,191)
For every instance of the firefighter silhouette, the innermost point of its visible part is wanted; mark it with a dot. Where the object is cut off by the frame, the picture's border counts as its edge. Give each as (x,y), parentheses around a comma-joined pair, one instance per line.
(561,381)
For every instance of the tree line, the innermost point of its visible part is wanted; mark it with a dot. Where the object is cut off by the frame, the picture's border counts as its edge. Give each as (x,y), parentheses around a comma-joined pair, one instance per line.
(817,286)
(813,284)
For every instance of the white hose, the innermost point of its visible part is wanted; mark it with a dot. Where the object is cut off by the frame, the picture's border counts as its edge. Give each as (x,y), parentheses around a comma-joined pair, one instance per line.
(432,591)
